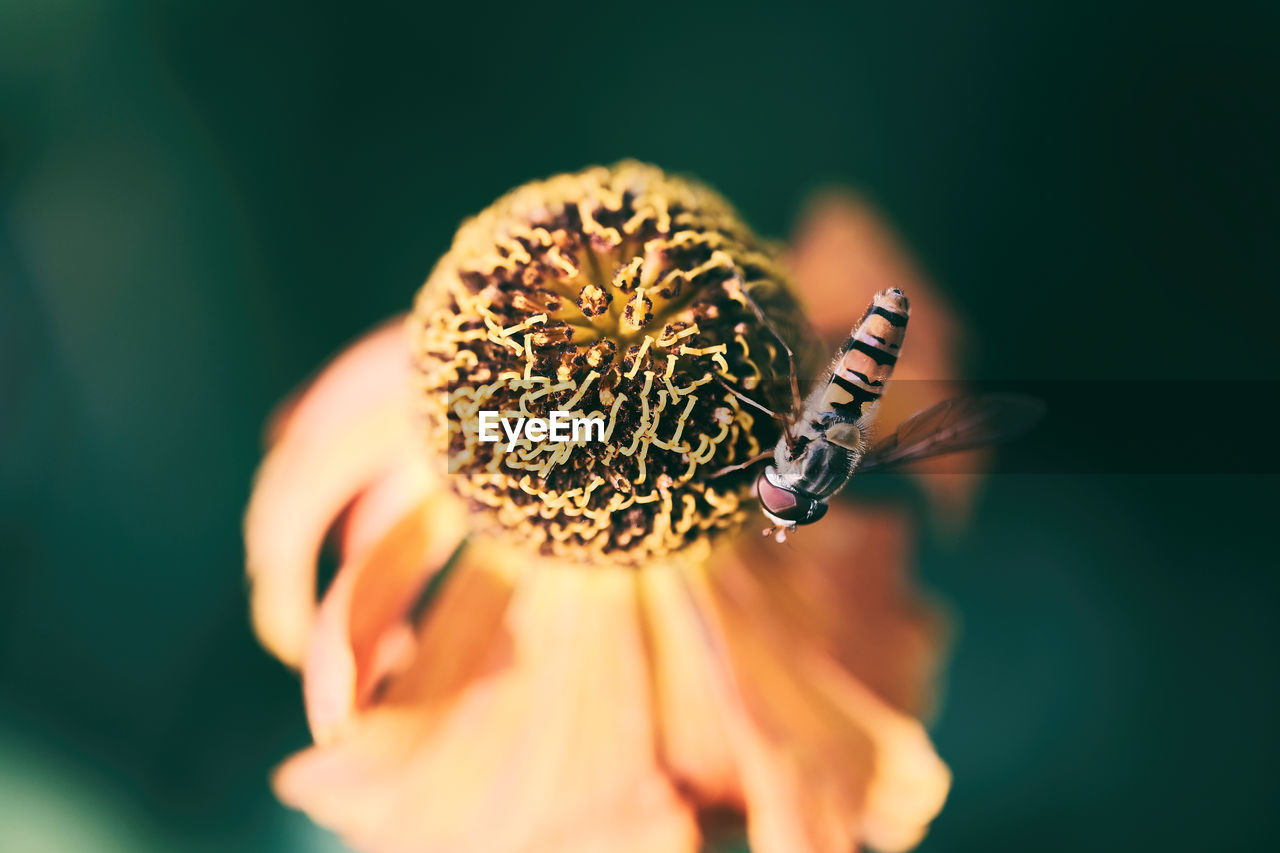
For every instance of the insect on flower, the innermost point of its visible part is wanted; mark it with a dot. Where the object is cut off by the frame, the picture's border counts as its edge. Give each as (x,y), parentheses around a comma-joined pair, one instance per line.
(824,440)
(545,646)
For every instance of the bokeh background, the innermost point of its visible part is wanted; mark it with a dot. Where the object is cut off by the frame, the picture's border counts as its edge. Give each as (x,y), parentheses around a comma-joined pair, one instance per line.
(201,201)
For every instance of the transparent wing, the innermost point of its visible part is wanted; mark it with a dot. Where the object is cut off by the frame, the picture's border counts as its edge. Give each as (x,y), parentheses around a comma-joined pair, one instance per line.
(961,423)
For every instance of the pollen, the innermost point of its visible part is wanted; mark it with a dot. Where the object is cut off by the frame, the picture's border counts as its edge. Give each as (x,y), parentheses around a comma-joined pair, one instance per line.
(620,293)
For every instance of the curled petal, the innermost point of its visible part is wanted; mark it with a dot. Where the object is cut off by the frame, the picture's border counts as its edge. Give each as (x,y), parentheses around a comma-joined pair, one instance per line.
(341,434)
(546,742)
(401,488)
(363,633)
(351,783)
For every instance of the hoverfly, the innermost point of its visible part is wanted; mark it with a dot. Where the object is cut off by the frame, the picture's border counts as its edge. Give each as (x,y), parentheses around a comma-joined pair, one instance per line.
(825,438)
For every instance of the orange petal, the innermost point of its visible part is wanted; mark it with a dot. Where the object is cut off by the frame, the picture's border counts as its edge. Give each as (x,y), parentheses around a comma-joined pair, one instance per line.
(553,749)
(349,784)
(362,631)
(400,489)
(843,253)
(826,765)
(371,368)
(693,730)
(844,582)
(343,432)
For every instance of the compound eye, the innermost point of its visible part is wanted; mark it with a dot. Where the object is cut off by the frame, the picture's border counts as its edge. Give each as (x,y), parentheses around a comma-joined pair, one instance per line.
(786,505)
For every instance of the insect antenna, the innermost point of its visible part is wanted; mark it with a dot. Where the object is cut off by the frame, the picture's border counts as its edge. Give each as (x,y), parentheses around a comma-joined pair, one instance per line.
(773,330)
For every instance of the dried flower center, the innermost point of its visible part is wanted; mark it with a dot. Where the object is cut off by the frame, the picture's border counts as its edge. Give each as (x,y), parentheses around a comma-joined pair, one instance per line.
(616,293)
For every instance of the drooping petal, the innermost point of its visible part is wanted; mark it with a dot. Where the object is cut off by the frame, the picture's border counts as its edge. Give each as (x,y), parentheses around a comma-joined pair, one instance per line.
(692,728)
(845,581)
(350,784)
(546,742)
(342,433)
(362,633)
(842,254)
(825,764)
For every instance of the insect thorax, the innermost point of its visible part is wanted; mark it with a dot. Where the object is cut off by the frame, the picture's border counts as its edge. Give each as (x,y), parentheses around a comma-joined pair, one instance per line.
(818,468)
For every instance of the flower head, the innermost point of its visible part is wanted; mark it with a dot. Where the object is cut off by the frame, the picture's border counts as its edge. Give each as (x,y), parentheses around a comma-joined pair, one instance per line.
(616,292)
(604,660)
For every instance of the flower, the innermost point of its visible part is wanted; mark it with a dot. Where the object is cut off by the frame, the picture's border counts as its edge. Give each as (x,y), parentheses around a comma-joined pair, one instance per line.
(576,647)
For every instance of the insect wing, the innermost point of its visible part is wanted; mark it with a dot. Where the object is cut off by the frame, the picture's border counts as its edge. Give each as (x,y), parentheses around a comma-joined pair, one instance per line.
(961,423)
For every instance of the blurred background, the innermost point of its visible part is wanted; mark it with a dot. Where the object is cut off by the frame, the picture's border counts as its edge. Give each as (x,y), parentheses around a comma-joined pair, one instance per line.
(200,202)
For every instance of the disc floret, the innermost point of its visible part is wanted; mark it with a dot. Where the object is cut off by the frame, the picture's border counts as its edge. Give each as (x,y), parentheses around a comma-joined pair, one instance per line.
(620,293)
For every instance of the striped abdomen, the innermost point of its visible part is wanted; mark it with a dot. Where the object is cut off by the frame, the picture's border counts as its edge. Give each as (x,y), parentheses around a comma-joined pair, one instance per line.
(859,375)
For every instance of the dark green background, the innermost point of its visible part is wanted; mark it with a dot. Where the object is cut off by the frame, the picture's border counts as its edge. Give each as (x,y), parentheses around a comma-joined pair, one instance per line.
(202,201)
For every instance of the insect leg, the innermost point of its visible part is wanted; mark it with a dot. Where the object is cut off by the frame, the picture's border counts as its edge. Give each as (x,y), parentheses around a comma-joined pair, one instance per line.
(728,469)
(786,421)
(744,398)
(768,324)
